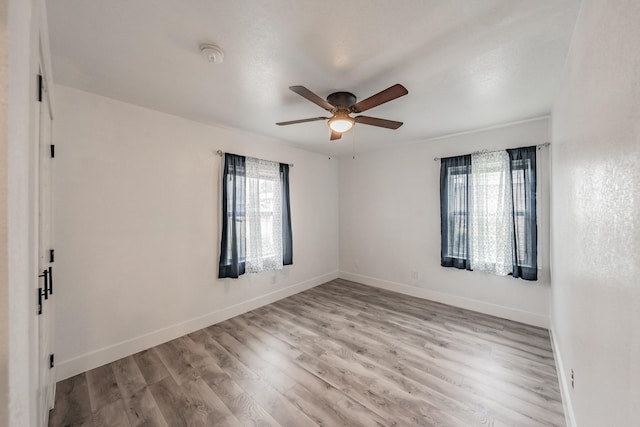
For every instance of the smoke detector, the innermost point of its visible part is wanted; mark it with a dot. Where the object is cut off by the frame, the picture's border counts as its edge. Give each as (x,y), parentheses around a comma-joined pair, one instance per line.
(212,52)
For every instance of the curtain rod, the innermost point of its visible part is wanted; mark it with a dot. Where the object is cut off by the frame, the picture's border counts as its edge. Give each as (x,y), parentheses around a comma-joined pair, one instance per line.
(540,147)
(221,153)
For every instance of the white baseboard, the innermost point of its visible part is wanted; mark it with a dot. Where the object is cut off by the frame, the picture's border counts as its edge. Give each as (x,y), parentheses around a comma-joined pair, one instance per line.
(504,312)
(565,390)
(87,361)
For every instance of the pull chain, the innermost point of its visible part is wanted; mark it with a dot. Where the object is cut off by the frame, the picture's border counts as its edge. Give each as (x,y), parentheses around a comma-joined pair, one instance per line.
(353,144)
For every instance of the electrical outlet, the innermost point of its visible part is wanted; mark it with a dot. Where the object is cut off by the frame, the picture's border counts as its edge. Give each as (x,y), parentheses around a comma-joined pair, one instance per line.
(572,380)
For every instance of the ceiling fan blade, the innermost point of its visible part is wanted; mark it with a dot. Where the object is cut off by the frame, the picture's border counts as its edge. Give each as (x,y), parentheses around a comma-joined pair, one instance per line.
(335,135)
(373,121)
(293,122)
(389,94)
(307,94)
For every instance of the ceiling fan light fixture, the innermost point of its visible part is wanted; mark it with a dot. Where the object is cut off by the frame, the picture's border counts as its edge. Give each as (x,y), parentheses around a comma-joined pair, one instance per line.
(341,122)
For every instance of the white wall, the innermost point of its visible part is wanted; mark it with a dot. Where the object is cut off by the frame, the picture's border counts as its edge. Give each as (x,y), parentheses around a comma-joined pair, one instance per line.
(390,225)
(4,276)
(136,228)
(596,217)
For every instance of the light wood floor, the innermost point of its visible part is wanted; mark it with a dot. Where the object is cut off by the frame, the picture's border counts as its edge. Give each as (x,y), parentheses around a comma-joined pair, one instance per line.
(339,354)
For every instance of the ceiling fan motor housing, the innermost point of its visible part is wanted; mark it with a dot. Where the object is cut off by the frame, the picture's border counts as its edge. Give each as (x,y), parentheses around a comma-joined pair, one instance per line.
(342,100)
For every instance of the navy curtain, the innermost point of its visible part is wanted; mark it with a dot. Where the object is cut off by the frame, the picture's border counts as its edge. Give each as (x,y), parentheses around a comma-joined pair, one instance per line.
(287,238)
(525,231)
(232,245)
(454,208)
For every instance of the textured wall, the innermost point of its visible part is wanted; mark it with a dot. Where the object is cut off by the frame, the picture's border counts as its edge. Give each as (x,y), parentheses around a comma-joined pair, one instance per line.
(136,230)
(390,225)
(4,275)
(596,215)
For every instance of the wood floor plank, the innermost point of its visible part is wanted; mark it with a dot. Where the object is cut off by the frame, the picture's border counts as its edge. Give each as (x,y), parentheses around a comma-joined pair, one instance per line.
(328,413)
(401,399)
(150,365)
(111,415)
(404,357)
(242,405)
(256,363)
(471,412)
(72,405)
(103,387)
(346,342)
(375,399)
(128,377)
(142,409)
(217,412)
(456,360)
(248,334)
(252,382)
(304,340)
(465,319)
(339,354)
(180,408)
(246,409)
(172,354)
(275,403)
(84,422)
(322,409)
(219,381)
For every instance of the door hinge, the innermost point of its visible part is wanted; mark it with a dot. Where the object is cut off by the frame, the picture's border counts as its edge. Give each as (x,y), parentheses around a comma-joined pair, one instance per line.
(53,150)
(51,256)
(51,364)
(40,87)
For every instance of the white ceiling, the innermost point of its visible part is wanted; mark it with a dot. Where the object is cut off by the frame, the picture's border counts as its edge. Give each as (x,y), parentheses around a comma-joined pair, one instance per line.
(467,64)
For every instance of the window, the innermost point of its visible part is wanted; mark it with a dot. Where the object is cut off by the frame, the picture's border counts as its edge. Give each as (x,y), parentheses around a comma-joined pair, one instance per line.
(264,216)
(256,220)
(488,212)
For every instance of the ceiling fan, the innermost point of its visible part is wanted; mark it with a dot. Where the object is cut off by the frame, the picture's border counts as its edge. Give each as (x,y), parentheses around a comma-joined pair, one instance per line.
(342,104)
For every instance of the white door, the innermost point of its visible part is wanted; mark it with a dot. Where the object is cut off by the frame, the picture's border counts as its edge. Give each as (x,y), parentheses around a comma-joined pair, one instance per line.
(46,283)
